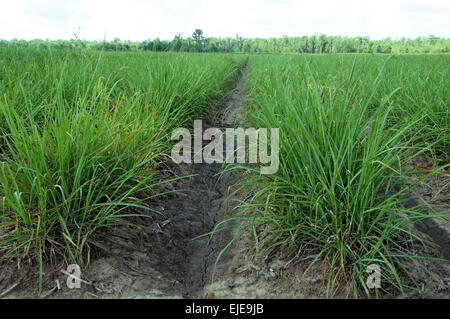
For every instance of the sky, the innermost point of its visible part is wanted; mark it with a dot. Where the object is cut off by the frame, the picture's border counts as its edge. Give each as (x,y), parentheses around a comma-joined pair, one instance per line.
(138,20)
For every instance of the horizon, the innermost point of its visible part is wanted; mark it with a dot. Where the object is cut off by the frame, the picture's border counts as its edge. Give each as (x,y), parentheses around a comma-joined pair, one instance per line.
(230,37)
(140,20)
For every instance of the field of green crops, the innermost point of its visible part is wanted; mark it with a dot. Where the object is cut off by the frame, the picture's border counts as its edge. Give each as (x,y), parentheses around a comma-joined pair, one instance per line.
(349,124)
(82,135)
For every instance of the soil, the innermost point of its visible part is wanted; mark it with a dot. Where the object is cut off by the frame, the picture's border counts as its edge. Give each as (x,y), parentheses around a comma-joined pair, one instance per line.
(168,260)
(433,193)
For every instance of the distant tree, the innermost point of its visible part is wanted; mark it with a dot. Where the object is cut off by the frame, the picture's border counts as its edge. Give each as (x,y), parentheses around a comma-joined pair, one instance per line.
(239,43)
(199,39)
(323,41)
(177,42)
(198,43)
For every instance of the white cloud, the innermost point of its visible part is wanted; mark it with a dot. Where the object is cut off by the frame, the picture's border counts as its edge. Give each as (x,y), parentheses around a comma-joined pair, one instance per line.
(142,19)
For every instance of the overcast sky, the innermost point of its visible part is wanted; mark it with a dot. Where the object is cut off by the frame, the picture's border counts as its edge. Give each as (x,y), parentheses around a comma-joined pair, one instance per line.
(149,19)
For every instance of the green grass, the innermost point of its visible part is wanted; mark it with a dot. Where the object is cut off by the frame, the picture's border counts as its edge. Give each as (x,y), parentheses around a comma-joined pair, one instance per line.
(347,126)
(81,137)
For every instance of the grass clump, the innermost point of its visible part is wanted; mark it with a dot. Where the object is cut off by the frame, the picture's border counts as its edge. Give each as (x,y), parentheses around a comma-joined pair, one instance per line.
(337,193)
(81,137)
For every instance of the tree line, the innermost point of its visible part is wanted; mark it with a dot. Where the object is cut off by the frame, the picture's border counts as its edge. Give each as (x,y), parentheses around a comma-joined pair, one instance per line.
(198,43)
